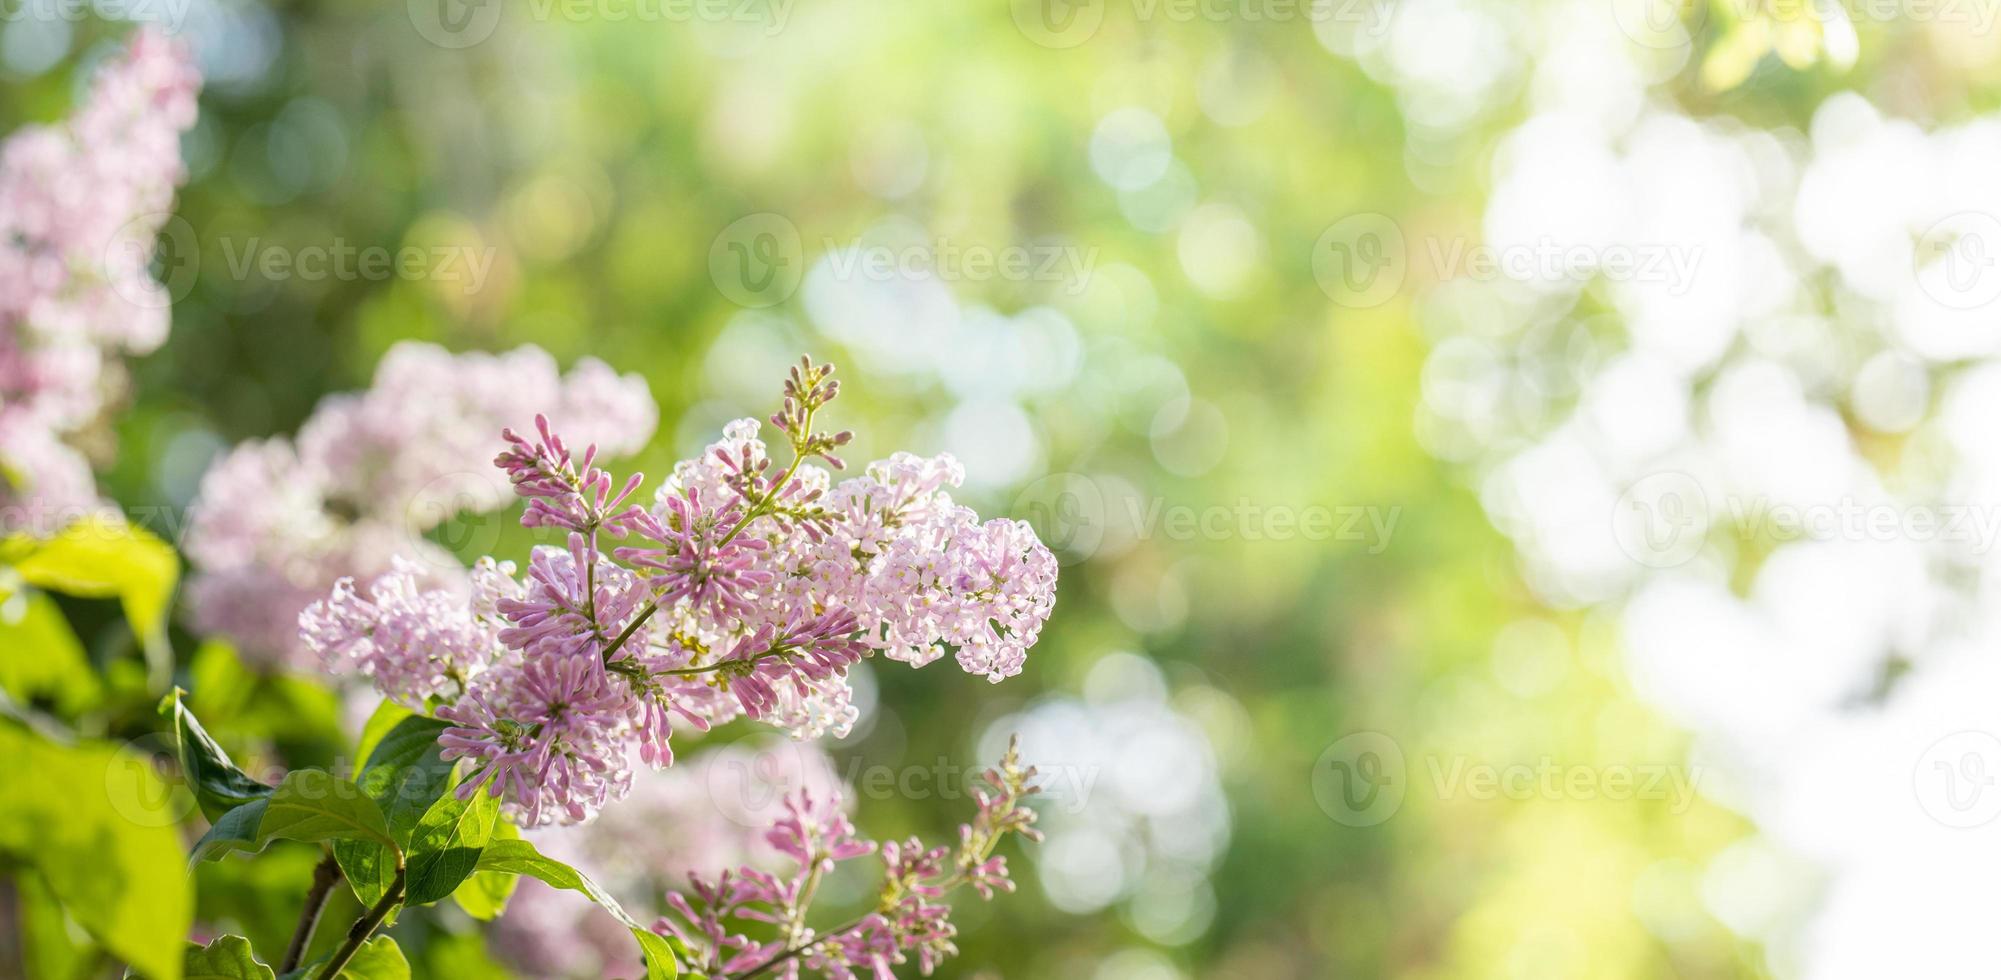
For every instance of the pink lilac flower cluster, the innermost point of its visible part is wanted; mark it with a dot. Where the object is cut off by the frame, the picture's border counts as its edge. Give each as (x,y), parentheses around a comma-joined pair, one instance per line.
(739,593)
(708,812)
(81,206)
(910,919)
(278,521)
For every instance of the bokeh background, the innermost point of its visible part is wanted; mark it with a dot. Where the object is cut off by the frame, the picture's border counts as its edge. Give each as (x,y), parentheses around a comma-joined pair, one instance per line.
(1347,517)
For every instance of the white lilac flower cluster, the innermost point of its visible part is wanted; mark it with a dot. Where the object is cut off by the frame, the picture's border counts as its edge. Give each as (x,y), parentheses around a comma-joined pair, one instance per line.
(81,206)
(736,594)
(278,521)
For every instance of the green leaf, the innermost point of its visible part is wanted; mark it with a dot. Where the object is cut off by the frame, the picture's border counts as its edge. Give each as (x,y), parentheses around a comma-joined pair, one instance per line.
(368,868)
(313,805)
(377,959)
(404,775)
(521,858)
(484,895)
(227,958)
(233,830)
(100,826)
(217,782)
(51,945)
(447,844)
(102,557)
(40,657)
(386,716)
(463,954)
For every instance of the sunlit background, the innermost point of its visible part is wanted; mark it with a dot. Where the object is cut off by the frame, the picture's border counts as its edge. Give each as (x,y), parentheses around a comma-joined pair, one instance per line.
(1416,393)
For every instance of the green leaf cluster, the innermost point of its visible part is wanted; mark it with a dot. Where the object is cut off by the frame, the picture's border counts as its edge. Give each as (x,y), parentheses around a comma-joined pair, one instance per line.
(404,834)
